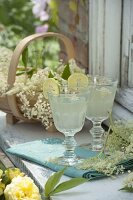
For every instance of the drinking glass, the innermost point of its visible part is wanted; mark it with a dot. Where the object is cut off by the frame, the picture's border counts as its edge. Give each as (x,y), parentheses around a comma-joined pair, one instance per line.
(69,112)
(100,103)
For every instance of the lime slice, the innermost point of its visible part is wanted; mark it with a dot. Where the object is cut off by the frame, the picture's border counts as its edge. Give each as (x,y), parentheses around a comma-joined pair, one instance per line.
(50,85)
(78,80)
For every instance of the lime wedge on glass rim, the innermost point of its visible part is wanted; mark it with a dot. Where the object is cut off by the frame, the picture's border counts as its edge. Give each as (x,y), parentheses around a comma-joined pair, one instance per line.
(78,80)
(50,85)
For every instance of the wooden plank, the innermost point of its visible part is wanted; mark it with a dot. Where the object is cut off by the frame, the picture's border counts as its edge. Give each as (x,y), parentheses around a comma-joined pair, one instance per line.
(5,160)
(121,113)
(130,70)
(127,44)
(125,98)
(96,37)
(23,132)
(112,38)
(105,37)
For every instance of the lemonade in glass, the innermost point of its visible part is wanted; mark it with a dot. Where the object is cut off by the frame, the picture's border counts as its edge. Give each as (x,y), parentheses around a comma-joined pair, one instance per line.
(69,112)
(68,104)
(100,103)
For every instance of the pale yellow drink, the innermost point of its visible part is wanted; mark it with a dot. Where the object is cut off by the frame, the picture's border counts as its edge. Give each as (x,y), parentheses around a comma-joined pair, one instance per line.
(69,112)
(100,102)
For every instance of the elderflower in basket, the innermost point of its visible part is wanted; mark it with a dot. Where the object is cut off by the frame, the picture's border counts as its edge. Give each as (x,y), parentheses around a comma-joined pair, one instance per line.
(30,89)
(32,92)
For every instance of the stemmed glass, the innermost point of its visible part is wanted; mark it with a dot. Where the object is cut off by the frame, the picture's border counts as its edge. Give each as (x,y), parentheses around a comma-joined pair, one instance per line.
(100,103)
(69,112)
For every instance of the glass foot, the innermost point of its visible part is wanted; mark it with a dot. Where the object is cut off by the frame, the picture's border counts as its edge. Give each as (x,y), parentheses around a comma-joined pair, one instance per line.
(97,133)
(69,162)
(97,147)
(87,146)
(92,147)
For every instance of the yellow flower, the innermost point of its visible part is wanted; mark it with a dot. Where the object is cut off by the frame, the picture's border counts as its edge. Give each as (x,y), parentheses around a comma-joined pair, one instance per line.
(22,188)
(13,172)
(2,187)
(1,172)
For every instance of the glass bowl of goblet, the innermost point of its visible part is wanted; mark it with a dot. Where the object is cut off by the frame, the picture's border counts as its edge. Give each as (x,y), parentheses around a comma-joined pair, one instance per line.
(100,103)
(69,112)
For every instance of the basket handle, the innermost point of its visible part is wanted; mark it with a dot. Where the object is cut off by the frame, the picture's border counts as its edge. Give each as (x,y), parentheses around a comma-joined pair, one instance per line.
(15,59)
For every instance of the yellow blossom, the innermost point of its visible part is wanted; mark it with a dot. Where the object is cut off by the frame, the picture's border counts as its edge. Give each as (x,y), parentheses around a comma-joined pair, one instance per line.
(2,187)
(13,172)
(22,188)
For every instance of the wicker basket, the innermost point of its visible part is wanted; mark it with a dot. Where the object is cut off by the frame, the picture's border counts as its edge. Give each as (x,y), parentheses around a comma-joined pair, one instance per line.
(10,104)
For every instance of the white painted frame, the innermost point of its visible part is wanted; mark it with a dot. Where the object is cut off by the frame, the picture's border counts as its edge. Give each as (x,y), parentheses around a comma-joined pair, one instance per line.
(105,50)
(127,44)
(105,37)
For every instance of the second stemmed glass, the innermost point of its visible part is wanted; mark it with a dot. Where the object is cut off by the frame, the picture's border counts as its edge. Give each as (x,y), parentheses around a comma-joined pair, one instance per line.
(69,112)
(100,103)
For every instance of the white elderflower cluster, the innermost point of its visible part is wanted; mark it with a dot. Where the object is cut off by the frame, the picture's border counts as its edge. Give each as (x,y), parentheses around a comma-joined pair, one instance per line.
(5,57)
(106,165)
(73,67)
(29,93)
(3,84)
(128,182)
(40,110)
(119,147)
(29,90)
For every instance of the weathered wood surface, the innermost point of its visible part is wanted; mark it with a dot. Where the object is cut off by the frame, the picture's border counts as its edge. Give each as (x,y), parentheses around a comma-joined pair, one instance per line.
(5,160)
(22,132)
(127,43)
(125,98)
(104,36)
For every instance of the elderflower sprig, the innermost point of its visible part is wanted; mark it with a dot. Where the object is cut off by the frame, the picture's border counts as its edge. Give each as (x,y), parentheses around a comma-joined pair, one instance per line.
(128,183)
(118,145)
(5,57)
(29,89)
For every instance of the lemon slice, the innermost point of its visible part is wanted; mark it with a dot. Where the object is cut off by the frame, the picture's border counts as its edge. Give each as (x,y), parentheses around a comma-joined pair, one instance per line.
(50,85)
(78,80)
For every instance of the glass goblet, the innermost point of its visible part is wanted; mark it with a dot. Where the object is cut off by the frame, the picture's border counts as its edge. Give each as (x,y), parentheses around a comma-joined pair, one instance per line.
(100,103)
(69,112)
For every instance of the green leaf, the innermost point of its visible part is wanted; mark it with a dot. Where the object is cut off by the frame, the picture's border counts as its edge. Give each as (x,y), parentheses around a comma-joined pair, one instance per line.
(31,72)
(68,185)
(1,172)
(73,6)
(2,167)
(66,73)
(54,5)
(50,75)
(83,2)
(18,73)
(53,181)
(2,197)
(128,189)
(5,179)
(25,57)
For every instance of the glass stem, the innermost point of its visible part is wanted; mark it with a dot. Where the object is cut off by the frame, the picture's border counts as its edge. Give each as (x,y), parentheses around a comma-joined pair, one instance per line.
(97,133)
(70,145)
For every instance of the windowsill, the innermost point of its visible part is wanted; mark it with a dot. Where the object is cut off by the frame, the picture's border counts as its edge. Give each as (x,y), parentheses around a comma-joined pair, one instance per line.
(121,113)
(123,106)
(125,98)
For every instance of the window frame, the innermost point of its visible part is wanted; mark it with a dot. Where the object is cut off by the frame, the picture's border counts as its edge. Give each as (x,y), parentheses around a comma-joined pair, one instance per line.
(109,51)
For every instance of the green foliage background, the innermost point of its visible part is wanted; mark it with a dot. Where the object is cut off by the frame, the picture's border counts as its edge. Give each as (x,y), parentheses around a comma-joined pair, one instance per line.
(17,21)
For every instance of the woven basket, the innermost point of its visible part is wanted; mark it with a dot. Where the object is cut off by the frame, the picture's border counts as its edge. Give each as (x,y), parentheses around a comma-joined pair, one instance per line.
(10,104)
